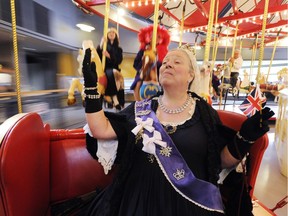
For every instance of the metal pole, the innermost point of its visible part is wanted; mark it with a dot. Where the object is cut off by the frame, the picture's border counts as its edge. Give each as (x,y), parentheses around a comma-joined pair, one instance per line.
(155,24)
(16,61)
(105,30)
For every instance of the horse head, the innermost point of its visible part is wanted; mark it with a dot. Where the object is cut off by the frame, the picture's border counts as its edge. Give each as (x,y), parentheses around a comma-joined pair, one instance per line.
(148,71)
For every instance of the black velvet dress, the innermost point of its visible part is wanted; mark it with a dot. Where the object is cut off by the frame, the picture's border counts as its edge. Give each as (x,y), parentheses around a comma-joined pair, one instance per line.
(140,188)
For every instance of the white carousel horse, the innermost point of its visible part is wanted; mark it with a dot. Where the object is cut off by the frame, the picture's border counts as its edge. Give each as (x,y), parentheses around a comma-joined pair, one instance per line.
(205,74)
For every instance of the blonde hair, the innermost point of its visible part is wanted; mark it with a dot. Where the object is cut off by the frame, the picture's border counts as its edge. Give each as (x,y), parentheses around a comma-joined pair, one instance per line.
(113,30)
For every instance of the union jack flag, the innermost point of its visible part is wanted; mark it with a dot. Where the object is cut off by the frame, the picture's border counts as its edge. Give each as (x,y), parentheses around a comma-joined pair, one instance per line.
(253,102)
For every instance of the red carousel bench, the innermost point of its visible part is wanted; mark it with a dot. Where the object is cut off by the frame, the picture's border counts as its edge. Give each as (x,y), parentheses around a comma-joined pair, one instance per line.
(42,167)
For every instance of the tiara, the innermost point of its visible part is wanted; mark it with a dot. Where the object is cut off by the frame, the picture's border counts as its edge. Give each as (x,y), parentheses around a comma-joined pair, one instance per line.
(188,48)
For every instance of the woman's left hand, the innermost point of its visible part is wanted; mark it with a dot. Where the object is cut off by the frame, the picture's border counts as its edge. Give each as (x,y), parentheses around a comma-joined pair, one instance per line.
(257,125)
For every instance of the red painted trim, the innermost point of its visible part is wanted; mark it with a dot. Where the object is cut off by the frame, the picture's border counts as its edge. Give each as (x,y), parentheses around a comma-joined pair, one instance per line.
(256,12)
(257,28)
(239,16)
(263,206)
(234,6)
(100,2)
(202,9)
(169,13)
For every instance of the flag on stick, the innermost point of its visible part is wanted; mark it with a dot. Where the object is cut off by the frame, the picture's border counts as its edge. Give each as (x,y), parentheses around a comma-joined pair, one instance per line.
(253,102)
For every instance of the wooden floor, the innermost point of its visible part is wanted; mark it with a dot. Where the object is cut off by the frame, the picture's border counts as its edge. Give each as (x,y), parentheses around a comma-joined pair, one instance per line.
(271,185)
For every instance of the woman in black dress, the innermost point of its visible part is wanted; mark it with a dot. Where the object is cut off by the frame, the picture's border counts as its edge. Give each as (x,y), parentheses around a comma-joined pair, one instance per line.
(114,56)
(170,148)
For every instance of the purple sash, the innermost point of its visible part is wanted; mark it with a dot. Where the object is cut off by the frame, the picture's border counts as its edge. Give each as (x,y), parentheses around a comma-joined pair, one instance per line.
(174,167)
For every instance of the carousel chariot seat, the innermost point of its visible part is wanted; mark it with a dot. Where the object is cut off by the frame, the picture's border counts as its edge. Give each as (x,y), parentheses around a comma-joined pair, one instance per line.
(42,167)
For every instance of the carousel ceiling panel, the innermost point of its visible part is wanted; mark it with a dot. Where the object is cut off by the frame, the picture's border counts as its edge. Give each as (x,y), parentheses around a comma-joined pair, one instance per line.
(241,18)
(145,11)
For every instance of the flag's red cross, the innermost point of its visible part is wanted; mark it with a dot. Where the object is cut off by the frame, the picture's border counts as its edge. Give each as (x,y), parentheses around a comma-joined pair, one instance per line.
(252,103)
(255,103)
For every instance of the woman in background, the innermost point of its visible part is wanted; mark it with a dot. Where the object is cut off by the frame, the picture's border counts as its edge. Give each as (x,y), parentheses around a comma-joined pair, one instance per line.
(114,91)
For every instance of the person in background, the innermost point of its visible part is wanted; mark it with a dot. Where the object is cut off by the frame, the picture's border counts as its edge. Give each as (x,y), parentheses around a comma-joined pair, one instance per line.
(236,62)
(216,76)
(114,56)
(170,148)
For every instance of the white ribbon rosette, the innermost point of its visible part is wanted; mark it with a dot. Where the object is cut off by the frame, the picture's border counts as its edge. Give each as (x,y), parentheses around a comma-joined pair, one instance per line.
(147,124)
(148,142)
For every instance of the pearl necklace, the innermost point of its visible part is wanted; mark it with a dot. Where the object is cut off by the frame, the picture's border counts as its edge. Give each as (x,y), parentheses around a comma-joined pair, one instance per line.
(176,110)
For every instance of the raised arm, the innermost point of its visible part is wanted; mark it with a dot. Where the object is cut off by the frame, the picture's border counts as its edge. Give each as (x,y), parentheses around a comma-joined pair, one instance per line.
(251,129)
(98,123)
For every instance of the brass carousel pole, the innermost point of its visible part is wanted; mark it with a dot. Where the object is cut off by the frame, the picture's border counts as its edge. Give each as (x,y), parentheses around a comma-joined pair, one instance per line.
(240,46)
(226,47)
(155,25)
(273,54)
(182,24)
(209,31)
(105,30)
(204,86)
(16,61)
(262,45)
(225,58)
(281,136)
(233,50)
(261,52)
(215,41)
(235,39)
(215,48)
(254,49)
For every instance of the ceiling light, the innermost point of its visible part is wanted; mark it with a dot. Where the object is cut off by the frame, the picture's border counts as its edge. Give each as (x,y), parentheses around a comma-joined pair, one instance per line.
(120,12)
(28,48)
(85,27)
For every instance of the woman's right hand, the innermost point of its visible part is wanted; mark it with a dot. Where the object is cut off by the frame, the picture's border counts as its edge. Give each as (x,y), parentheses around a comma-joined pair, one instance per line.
(92,97)
(89,70)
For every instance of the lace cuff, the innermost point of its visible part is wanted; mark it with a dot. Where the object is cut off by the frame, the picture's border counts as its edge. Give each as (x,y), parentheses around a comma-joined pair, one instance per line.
(106,151)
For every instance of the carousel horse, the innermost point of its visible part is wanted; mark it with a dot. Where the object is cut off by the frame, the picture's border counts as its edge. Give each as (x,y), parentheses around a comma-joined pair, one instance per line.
(76,83)
(148,75)
(275,88)
(225,79)
(205,74)
(147,85)
(283,76)
(245,84)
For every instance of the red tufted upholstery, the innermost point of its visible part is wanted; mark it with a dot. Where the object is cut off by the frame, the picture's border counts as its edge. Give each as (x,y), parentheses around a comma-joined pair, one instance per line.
(74,171)
(40,167)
